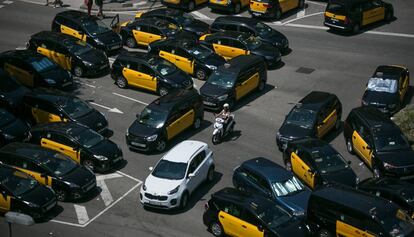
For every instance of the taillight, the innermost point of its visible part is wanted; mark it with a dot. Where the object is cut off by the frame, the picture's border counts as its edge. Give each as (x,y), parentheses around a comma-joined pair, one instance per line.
(267,5)
(206,206)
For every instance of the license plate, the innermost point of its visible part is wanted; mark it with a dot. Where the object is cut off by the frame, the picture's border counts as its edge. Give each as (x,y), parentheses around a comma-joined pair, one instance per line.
(209,103)
(138,144)
(102,67)
(155,203)
(257,13)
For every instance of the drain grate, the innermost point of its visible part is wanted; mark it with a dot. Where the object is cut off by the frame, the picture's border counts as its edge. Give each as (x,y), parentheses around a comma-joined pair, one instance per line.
(305,70)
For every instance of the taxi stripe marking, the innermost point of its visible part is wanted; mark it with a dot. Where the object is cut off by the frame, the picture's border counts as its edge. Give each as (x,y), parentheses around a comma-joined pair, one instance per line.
(105,194)
(81,213)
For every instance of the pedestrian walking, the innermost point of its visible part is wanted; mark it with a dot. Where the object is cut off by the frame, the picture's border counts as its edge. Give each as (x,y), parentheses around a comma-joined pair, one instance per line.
(57,2)
(99,3)
(88,4)
(47,3)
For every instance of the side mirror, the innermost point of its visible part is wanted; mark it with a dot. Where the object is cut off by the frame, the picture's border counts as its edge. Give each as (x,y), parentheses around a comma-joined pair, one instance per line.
(349,162)
(260,228)
(151,168)
(138,115)
(191,175)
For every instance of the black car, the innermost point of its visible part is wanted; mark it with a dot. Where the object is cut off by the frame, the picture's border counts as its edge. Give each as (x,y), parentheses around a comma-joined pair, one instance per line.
(264,177)
(378,142)
(70,53)
(317,163)
(11,128)
(315,115)
(69,180)
(239,214)
(34,70)
(89,29)
(178,17)
(230,44)
(144,31)
(149,72)
(253,27)
(11,93)
(21,193)
(344,211)
(45,106)
(396,190)
(387,89)
(164,119)
(80,143)
(233,81)
(191,57)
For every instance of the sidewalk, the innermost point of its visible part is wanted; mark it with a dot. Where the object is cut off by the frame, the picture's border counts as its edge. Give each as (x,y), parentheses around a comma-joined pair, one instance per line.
(126,5)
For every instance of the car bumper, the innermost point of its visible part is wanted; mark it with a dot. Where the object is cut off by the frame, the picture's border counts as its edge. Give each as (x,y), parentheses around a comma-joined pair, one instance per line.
(267,14)
(159,202)
(213,105)
(107,165)
(337,25)
(139,144)
(225,8)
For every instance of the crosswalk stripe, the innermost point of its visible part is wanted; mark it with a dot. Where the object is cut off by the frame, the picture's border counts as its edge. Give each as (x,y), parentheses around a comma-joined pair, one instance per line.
(105,194)
(81,213)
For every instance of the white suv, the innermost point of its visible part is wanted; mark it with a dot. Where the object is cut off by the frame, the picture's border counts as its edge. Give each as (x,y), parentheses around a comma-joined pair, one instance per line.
(177,175)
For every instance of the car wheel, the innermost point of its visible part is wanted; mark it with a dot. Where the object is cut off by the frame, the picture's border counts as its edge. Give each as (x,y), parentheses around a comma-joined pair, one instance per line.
(89,164)
(324,233)
(349,146)
(261,85)
(201,74)
(130,42)
(216,138)
(161,145)
(210,174)
(355,28)
(197,123)
(388,16)
(184,200)
(278,14)
(216,229)
(163,91)
(121,82)
(237,8)
(60,195)
(191,5)
(78,71)
(376,172)
(288,165)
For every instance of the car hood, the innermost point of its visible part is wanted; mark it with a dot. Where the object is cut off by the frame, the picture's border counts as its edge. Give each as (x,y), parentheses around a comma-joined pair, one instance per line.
(158,186)
(141,130)
(183,35)
(274,36)
(382,98)
(94,56)
(345,176)
(109,37)
(267,50)
(213,90)
(297,202)
(197,26)
(106,148)
(294,131)
(181,78)
(14,98)
(57,74)
(16,128)
(397,158)
(295,227)
(94,120)
(79,176)
(213,59)
(40,195)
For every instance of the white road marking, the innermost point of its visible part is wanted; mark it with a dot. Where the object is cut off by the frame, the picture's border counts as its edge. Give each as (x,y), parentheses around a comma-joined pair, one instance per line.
(200,15)
(113,110)
(105,194)
(81,213)
(307,26)
(129,176)
(140,3)
(300,13)
(304,16)
(277,22)
(108,176)
(316,3)
(1,6)
(129,98)
(86,84)
(7,2)
(21,48)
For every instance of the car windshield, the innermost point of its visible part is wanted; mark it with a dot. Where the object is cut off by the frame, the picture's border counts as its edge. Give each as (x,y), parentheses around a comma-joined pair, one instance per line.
(388,139)
(251,42)
(162,66)
(77,47)
(170,170)
(59,165)
(5,117)
(42,65)
(88,138)
(153,118)
(75,107)
(327,161)
(273,215)
(199,51)
(184,19)
(95,27)
(287,187)
(8,84)
(263,29)
(223,79)
(301,117)
(398,224)
(382,85)
(336,8)
(18,183)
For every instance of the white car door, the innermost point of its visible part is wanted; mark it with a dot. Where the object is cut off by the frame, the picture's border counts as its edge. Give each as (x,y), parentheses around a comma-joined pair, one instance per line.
(196,178)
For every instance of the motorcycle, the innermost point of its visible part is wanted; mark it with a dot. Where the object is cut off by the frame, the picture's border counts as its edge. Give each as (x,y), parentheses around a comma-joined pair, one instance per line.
(221,130)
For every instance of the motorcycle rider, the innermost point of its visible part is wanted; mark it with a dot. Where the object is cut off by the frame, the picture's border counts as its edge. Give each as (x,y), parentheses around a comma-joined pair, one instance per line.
(225,113)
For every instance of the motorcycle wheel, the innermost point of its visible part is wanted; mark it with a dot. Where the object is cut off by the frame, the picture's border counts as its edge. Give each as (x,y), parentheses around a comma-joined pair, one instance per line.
(215,139)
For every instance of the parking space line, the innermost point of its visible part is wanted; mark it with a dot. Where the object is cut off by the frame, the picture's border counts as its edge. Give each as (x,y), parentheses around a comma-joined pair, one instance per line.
(304,16)
(108,176)
(81,213)
(129,176)
(307,26)
(83,83)
(129,98)
(390,34)
(105,194)
(1,6)
(7,2)
(200,15)
(316,3)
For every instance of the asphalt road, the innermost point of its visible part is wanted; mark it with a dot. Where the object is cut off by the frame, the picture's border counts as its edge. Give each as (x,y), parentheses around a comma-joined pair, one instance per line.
(340,64)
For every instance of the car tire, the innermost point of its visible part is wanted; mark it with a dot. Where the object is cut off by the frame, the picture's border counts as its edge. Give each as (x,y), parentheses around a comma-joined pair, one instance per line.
(184,200)
(237,8)
(324,233)
(161,145)
(201,74)
(197,123)
(191,6)
(78,71)
(61,195)
(162,91)
(278,14)
(121,82)
(349,146)
(261,86)
(210,174)
(388,16)
(216,229)
(355,28)
(88,163)
(130,42)
(215,139)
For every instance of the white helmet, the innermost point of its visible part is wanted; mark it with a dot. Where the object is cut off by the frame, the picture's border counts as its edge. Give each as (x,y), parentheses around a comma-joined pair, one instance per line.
(226,105)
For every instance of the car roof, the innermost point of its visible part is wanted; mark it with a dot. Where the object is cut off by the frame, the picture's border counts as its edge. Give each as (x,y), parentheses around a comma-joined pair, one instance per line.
(238,63)
(236,19)
(157,22)
(174,97)
(267,168)
(60,127)
(165,11)
(389,70)
(135,56)
(51,95)
(373,116)
(77,16)
(51,35)
(184,151)
(315,100)
(29,151)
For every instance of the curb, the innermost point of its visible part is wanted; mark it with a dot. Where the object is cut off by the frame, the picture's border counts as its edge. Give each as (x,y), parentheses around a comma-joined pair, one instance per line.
(136,8)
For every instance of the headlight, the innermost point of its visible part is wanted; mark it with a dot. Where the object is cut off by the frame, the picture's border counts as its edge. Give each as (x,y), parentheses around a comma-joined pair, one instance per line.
(88,64)
(100,158)
(144,187)
(175,190)
(152,138)
(30,204)
(278,135)
(212,67)
(50,81)
(388,166)
(298,213)
(8,136)
(127,132)
(72,185)
(223,97)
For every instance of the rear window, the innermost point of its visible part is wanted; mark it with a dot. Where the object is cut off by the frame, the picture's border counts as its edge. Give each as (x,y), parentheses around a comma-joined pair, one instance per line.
(336,8)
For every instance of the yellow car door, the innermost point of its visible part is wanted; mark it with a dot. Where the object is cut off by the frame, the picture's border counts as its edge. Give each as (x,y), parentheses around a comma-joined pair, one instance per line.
(404,83)
(5,201)
(169,56)
(148,80)
(184,63)
(368,14)
(140,35)
(248,85)
(187,119)
(230,223)
(63,60)
(379,13)
(302,170)
(222,50)
(173,127)
(44,51)
(346,230)
(41,178)
(361,148)
(72,152)
(327,124)
(72,32)
(247,229)
(42,116)
(284,5)
(23,76)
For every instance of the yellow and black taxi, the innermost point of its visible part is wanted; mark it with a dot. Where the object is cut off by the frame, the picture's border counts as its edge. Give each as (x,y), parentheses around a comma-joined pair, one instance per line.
(148,72)
(11,93)
(89,29)
(80,143)
(69,180)
(398,191)
(70,53)
(180,18)
(184,4)
(34,70)
(47,106)
(11,128)
(164,119)
(191,57)
(253,27)
(230,44)
(315,115)
(387,88)
(273,8)
(344,211)
(351,15)
(231,212)
(379,143)
(317,163)
(21,193)
(233,81)
(232,6)
(144,31)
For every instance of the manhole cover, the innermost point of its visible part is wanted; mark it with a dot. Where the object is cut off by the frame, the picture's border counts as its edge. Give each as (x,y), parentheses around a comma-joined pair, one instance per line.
(305,70)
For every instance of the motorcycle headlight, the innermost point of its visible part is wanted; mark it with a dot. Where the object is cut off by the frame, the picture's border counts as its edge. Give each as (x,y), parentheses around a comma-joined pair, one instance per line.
(152,138)
(8,136)
(175,190)
(223,97)
(100,158)
(212,67)
(50,81)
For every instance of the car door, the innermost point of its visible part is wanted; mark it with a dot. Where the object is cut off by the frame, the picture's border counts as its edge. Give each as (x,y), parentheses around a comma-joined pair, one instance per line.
(368,13)
(237,48)
(204,166)
(326,119)
(301,167)
(62,144)
(194,177)
(258,184)
(20,70)
(140,33)
(131,74)
(168,53)
(229,218)
(184,61)
(250,225)
(246,82)
(45,47)
(187,119)
(284,5)
(5,200)
(222,47)
(45,112)
(148,80)
(360,141)
(62,57)
(154,34)
(173,125)
(71,28)
(379,10)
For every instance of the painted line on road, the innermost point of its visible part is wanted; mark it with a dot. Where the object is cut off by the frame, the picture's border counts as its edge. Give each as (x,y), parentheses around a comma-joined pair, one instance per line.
(140,3)
(21,48)
(84,83)
(129,98)
(33,2)
(7,2)
(304,16)
(111,59)
(200,15)
(307,26)
(1,6)
(108,176)
(316,3)
(113,110)
(81,213)
(105,194)
(129,176)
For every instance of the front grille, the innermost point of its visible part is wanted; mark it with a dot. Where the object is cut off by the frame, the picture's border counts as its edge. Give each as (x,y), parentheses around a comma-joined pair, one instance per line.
(89,185)
(138,139)
(156,197)
(49,205)
(208,98)
(113,46)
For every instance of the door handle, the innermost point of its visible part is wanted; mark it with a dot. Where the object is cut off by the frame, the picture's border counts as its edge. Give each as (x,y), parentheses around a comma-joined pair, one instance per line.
(177,59)
(139,74)
(222,217)
(244,226)
(161,54)
(61,149)
(353,136)
(44,143)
